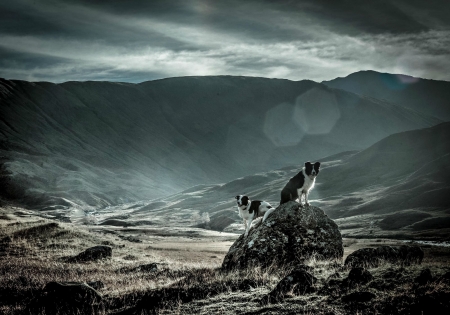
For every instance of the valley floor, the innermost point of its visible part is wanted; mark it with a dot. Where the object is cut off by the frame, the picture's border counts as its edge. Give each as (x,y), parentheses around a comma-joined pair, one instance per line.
(187,278)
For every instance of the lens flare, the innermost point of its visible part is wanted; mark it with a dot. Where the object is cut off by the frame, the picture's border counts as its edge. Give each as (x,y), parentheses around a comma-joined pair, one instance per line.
(316,111)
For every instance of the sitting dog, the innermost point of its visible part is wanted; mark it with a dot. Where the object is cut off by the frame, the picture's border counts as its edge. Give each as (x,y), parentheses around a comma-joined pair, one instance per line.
(301,184)
(250,210)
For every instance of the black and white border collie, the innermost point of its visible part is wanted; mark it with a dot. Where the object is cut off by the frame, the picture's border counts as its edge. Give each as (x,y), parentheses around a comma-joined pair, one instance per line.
(301,184)
(250,210)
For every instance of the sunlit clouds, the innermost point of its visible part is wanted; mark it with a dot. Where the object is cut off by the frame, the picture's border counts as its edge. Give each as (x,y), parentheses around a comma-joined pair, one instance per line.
(82,42)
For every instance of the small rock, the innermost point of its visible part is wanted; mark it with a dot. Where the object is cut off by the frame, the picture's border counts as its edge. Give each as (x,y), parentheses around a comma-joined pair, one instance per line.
(152,267)
(360,297)
(147,267)
(358,276)
(445,278)
(93,254)
(299,281)
(424,277)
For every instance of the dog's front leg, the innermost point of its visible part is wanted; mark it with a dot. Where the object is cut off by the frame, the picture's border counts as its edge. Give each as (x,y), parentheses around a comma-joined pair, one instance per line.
(306,199)
(300,197)
(249,224)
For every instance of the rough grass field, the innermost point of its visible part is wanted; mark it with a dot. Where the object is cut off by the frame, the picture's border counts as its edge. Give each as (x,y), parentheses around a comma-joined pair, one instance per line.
(188,278)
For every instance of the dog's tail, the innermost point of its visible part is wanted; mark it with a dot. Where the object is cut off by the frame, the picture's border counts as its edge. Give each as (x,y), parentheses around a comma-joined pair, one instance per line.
(268,213)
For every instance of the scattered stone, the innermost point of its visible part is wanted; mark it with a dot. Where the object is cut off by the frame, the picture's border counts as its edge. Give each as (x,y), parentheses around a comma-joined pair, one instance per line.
(359,297)
(358,276)
(130,257)
(152,267)
(424,277)
(374,257)
(247,285)
(298,281)
(93,254)
(445,278)
(147,267)
(393,274)
(289,236)
(410,255)
(67,298)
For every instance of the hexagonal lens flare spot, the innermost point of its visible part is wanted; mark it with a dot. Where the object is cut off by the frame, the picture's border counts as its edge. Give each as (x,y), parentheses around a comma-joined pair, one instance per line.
(316,111)
(280,127)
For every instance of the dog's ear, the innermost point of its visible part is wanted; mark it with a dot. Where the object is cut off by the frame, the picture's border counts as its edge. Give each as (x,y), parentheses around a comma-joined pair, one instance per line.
(308,163)
(237,197)
(317,164)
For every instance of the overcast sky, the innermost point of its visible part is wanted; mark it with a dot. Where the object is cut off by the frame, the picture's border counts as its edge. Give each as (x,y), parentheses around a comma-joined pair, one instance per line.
(135,41)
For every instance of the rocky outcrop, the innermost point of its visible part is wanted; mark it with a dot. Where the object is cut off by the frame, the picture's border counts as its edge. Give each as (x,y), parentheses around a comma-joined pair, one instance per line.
(289,236)
(373,257)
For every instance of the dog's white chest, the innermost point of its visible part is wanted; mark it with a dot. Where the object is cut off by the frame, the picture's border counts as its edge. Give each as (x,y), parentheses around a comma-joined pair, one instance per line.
(308,184)
(243,213)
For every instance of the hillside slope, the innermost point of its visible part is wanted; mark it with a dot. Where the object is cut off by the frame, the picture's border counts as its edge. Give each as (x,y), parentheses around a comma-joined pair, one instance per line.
(103,143)
(399,185)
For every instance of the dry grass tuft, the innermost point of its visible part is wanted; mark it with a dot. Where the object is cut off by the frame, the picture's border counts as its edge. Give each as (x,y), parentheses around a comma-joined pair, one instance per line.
(33,251)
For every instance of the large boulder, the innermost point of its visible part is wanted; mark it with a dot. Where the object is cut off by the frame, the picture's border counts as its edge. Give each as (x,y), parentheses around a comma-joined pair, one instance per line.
(289,236)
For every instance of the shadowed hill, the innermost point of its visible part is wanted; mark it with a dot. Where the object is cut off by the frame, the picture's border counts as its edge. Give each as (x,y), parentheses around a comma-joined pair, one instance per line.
(401,181)
(103,143)
(426,96)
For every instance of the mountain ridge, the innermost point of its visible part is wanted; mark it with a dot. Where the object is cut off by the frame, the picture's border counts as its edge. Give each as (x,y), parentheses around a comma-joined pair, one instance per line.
(424,95)
(104,143)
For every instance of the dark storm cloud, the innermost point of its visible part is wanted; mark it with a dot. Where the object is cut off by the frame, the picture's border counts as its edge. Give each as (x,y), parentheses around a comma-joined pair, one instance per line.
(142,40)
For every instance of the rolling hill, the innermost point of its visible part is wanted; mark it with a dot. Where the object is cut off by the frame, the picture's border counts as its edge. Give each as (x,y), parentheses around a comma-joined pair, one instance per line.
(398,186)
(97,144)
(426,96)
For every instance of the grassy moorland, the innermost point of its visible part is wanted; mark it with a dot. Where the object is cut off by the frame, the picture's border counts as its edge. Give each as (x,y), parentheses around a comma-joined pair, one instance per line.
(187,278)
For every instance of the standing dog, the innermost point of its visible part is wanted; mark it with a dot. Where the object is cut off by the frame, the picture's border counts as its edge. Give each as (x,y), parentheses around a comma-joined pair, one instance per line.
(301,184)
(250,210)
